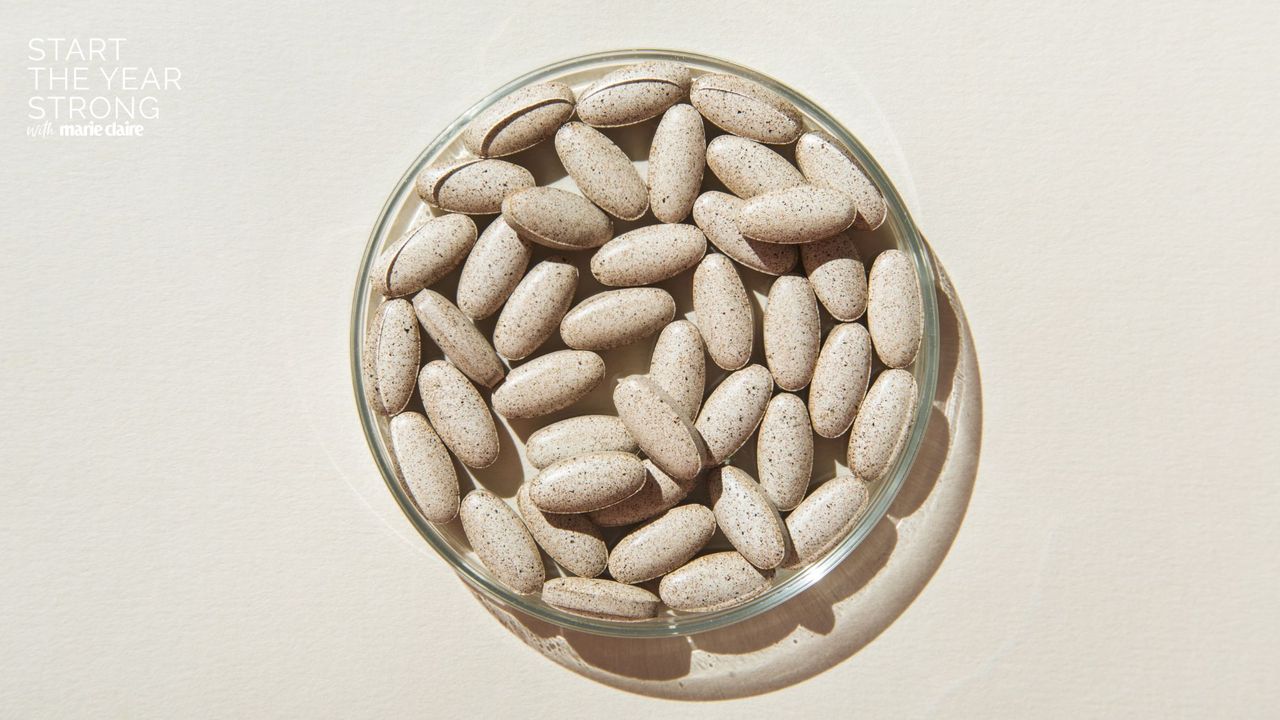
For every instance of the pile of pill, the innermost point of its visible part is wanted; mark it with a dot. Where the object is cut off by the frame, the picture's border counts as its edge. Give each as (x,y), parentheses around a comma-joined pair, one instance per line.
(797,222)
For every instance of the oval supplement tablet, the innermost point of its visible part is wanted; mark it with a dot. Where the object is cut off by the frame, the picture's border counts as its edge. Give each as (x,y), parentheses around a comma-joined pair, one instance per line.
(659,494)
(895,312)
(602,171)
(662,545)
(713,582)
(520,120)
(784,451)
(792,332)
(535,308)
(492,271)
(501,541)
(548,383)
(473,186)
(459,414)
(825,518)
(746,108)
(634,94)
(882,425)
(659,427)
(557,219)
(423,256)
(840,379)
(748,168)
(733,410)
(392,349)
(648,255)
(747,518)
(838,276)
(722,311)
(599,598)
(615,318)
(824,161)
(716,213)
(679,365)
(676,159)
(587,482)
(457,338)
(573,541)
(425,466)
(796,215)
(578,436)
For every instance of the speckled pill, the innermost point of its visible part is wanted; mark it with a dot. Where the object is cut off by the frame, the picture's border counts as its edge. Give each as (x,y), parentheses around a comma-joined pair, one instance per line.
(520,120)
(825,518)
(392,350)
(838,277)
(536,307)
(676,159)
(733,411)
(474,186)
(895,312)
(713,582)
(602,171)
(548,383)
(587,482)
(882,425)
(615,318)
(423,256)
(748,168)
(747,518)
(459,414)
(648,255)
(492,271)
(662,545)
(796,215)
(659,427)
(792,332)
(425,466)
(722,312)
(660,493)
(840,379)
(557,219)
(501,541)
(577,436)
(457,338)
(573,541)
(633,94)
(826,162)
(600,598)
(716,213)
(746,108)
(679,365)
(784,451)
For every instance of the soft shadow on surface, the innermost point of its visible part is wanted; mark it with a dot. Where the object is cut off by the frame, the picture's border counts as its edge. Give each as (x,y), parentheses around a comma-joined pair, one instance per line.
(843,612)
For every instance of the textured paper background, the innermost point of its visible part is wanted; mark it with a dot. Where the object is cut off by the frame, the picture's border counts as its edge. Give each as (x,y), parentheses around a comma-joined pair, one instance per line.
(186,528)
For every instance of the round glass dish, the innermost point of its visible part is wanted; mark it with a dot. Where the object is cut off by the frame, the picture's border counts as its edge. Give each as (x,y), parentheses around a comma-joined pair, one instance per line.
(403,209)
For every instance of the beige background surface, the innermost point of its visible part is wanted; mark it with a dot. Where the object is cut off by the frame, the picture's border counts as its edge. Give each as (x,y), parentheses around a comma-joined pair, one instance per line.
(190,523)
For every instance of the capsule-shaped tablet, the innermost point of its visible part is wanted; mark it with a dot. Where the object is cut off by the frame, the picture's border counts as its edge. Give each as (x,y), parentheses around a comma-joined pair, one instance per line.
(587,482)
(662,545)
(784,451)
(660,493)
(548,383)
(713,582)
(747,518)
(659,427)
(825,518)
(748,168)
(792,332)
(420,258)
(895,312)
(615,318)
(557,219)
(716,214)
(648,255)
(600,598)
(459,414)
(392,349)
(733,410)
(883,424)
(520,120)
(722,311)
(536,307)
(838,277)
(746,108)
(474,186)
(824,161)
(457,338)
(501,541)
(796,215)
(573,541)
(676,159)
(840,379)
(492,271)
(634,94)
(602,171)
(578,436)
(425,466)
(679,365)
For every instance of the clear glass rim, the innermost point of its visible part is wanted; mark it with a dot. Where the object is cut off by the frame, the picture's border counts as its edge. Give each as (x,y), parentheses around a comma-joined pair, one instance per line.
(925,370)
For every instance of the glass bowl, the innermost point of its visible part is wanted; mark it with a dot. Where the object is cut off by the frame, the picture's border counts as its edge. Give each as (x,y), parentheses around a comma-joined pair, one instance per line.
(403,210)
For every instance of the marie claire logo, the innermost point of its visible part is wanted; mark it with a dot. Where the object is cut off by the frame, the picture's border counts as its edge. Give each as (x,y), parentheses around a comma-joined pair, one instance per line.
(85,87)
